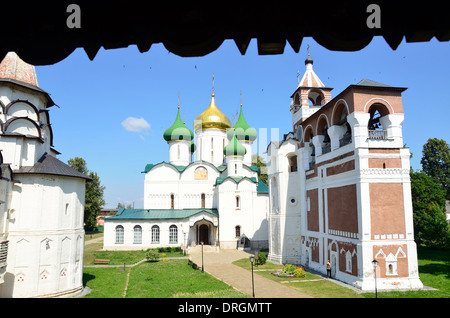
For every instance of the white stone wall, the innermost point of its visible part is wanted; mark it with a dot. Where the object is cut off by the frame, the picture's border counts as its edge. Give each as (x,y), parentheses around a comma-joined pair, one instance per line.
(46,237)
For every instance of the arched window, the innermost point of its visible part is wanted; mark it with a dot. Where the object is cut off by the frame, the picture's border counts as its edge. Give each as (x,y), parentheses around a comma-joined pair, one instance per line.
(203,200)
(237,231)
(173,234)
(292,159)
(137,237)
(155,234)
(375,127)
(172,201)
(212,149)
(348,262)
(119,234)
(238,202)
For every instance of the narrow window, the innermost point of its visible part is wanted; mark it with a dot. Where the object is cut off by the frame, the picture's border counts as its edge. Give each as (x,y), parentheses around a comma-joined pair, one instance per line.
(155,234)
(237,230)
(67,208)
(137,231)
(173,234)
(119,234)
(203,200)
(178,150)
(235,169)
(212,149)
(238,202)
(172,201)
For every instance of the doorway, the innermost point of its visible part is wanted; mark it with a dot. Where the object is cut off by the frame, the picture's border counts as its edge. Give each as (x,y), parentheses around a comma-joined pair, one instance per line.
(203,234)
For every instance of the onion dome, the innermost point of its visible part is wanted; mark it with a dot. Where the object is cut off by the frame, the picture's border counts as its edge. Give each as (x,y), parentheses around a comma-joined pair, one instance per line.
(242,130)
(234,148)
(212,117)
(178,131)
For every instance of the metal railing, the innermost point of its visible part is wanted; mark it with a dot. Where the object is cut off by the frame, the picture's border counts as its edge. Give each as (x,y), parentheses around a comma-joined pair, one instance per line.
(378,134)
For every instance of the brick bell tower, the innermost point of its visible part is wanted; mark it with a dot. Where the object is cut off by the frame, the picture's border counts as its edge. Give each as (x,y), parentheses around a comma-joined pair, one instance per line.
(348,197)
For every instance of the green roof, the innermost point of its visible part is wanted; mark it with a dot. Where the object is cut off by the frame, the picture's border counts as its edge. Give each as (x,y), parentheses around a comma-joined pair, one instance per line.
(243,130)
(220,180)
(158,214)
(234,148)
(262,187)
(178,131)
(150,166)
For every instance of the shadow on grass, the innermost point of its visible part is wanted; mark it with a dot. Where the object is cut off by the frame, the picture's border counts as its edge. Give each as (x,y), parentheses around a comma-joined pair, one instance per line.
(87,277)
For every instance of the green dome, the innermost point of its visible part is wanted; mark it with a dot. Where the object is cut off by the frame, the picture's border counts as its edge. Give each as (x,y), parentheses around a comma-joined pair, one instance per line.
(234,148)
(242,130)
(178,131)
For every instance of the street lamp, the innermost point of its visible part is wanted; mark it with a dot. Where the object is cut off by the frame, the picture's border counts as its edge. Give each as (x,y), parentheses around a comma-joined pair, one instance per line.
(252,259)
(202,257)
(375,264)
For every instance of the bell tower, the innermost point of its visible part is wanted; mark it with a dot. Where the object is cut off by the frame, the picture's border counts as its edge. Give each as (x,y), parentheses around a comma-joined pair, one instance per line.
(310,95)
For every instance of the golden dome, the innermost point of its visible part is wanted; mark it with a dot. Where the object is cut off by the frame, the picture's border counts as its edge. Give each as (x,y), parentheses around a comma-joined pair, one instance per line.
(212,117)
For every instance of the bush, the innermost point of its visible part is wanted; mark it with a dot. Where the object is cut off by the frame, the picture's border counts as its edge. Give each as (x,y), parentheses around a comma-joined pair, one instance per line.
(299,272)
(289,269)
(152,255)
(261,260)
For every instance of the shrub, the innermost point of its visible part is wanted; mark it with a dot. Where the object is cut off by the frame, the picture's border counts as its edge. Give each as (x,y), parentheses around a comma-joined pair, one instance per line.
(152,255)
(261,260)
(289,269)
(299,272)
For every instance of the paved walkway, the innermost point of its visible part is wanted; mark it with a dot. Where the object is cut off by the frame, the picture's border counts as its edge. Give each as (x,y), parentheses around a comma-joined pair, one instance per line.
(219,265)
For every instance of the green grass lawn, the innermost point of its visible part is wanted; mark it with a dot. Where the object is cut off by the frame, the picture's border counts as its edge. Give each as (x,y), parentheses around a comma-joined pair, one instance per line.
(434,271)
(173,278)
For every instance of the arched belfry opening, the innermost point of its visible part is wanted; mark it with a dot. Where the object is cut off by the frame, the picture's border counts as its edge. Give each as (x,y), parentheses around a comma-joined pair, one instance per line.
(375,126)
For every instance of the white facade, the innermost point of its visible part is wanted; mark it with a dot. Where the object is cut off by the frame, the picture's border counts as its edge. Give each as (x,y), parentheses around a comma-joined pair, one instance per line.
(216,199)
(42,199)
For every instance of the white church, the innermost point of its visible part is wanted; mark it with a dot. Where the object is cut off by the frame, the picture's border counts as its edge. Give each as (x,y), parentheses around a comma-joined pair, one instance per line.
(41,198)
(216,199)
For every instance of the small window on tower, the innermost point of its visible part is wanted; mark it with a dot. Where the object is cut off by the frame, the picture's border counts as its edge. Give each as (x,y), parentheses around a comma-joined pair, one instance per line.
(172,201)
(238,202)
(203,200)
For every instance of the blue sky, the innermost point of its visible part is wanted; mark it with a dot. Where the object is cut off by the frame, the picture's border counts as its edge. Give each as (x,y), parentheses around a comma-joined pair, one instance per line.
(97,97)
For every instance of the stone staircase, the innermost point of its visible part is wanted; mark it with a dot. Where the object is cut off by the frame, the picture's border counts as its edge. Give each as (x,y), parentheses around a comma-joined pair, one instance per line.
(206,249)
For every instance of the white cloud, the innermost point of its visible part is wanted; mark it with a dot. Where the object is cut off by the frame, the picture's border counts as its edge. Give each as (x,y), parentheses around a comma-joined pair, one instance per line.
(135,124)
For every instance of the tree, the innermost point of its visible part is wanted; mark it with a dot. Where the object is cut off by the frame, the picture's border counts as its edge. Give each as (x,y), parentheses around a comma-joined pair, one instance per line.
(262,167)
(436,162)
(94,192)
(122,205)
(428,200)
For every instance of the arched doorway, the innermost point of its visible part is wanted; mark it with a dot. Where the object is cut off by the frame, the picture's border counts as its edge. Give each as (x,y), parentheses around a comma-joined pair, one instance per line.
(203,234)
